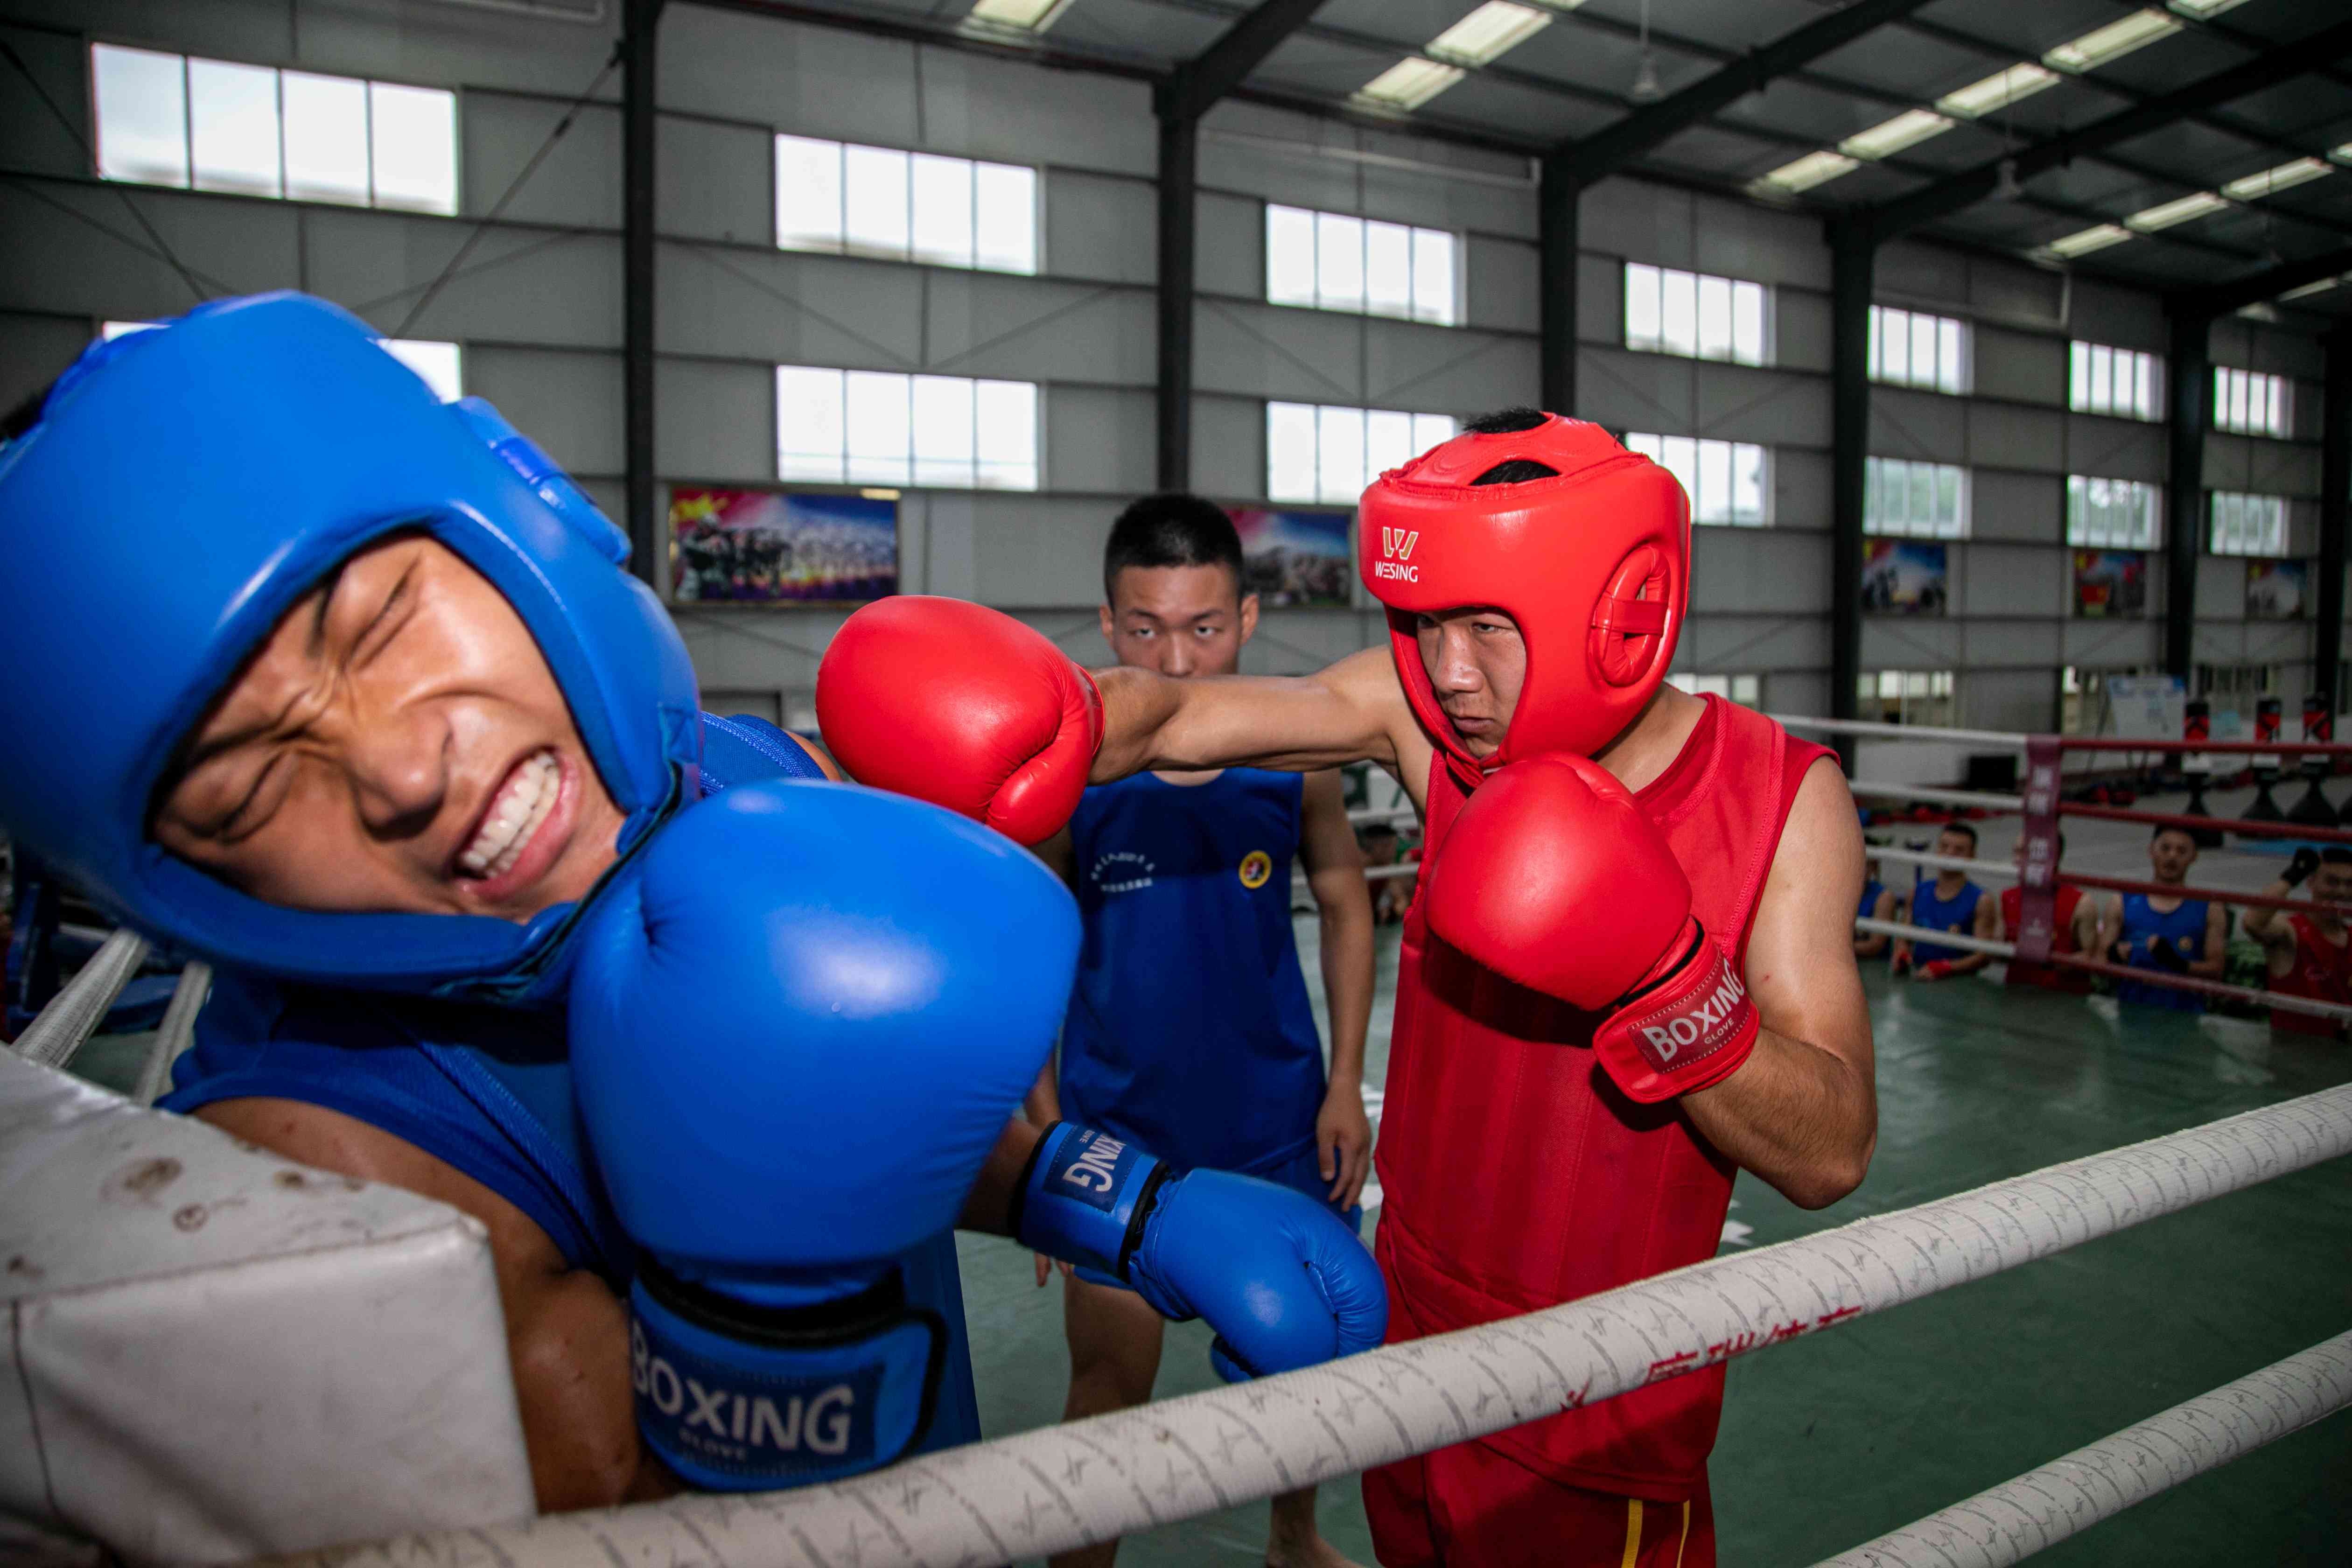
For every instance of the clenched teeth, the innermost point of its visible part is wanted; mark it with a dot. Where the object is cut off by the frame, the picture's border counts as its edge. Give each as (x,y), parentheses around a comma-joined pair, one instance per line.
(522,805)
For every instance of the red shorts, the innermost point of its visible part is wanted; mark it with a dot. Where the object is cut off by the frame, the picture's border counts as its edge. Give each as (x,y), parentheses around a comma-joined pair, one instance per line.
(1468,1507)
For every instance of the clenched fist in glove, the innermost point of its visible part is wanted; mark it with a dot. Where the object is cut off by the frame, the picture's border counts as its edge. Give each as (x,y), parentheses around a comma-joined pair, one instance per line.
(964,707)
(1587,903)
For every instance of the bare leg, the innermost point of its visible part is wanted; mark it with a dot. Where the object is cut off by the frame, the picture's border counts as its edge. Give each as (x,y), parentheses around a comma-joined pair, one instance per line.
(1114,1357)
(1294,1541)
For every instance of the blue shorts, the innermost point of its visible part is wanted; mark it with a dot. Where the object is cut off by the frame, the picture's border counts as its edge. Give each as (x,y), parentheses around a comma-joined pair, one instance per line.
(1299,1174)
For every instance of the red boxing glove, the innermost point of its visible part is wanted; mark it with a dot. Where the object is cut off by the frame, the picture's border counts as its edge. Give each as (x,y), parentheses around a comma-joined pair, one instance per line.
(964,707)
(1552,878)
(1941,969)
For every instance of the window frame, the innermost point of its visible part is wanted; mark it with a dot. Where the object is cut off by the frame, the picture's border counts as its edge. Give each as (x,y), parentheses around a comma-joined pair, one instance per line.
(1281,214)
(1957,334)
(2276,506)
(2082,356)
(1658,448)
(909,458)
(1280,411)
(2278,398)
(2078,500)
(914,163)
(1874,522)
(1736,291)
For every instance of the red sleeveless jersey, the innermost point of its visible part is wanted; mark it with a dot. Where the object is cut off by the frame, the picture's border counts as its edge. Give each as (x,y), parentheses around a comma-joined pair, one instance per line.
(1514,1174)
(2322,971)
(2049,976)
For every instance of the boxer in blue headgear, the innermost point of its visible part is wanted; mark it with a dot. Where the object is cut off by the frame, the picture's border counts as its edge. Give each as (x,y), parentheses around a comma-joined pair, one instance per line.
(378,710)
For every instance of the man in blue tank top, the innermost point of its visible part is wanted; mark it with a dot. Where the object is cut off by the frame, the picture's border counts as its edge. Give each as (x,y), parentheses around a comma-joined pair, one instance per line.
(1950,902)
(1189,1030)
(2168,932)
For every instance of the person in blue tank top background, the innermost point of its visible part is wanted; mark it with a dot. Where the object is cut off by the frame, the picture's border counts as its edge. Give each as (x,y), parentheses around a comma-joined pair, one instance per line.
(1950,902)
(1879,902)
(1190,1029)
(2172,933)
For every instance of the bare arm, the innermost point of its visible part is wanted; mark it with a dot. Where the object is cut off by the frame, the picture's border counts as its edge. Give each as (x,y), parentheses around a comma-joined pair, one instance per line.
(2268,926)
(2217,944)
(1803,1110)
(1353,711)
(1335,873)
(1870,944)
(1985,926)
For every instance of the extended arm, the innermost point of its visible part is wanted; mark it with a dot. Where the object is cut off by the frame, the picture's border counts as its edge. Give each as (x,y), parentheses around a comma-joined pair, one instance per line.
(1870,944)
(1351,712)
(2216,953)
(1334,872)
(1803,1110)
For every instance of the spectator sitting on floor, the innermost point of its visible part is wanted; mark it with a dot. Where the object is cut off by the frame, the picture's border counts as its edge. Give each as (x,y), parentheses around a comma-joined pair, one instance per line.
(2167,932)
(1381,846)
(2073,928)
(1950,903)
(2310,954)
(1878,904)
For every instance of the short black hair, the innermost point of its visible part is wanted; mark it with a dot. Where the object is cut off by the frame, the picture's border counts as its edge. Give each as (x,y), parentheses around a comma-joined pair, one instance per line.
(1963,829)
(2336,855)
(2164,828)
(1172,530)
(1509,422)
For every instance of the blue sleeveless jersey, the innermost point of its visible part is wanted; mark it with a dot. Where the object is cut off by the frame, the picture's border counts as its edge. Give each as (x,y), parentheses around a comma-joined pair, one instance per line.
(1870,891)
(489,1091)
(2184,928)
(1189,1030)
(1957,914)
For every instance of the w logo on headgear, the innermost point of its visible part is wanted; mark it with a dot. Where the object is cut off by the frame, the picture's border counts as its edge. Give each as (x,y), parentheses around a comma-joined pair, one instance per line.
(1399,542)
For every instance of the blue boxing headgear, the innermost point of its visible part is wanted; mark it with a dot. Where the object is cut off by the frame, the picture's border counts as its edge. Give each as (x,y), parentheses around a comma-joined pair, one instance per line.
(182,489)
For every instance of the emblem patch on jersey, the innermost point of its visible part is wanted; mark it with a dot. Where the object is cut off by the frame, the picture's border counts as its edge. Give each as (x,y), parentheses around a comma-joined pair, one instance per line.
(1123,871)
(1256,868)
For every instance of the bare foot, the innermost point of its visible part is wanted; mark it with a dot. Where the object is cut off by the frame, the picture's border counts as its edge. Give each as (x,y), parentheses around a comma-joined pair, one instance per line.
(1313,1551)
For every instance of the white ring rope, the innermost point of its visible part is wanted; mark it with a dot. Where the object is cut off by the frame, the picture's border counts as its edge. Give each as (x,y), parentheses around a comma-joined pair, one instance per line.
(1060,1487)
(2043,1506)
(2004,738)
(74,1014)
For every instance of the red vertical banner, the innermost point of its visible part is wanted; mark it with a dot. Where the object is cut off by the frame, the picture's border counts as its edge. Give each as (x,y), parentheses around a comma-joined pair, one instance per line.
(2037,904)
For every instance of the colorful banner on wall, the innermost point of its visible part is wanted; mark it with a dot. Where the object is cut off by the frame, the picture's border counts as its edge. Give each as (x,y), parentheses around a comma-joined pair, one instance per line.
(1903,577)
(770,546)
(2110,583)
(2277,590)
(1295,557)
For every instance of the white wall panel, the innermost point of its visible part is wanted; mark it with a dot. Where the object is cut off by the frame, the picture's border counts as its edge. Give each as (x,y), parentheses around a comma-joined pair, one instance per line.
(1739,239)
(2012,582)
(36,144)
(1912,273)
(35,350)
(1034,328)
(788,308)
(1630,391)
(2026,366)
(1106,229)
(1040,549)
(577,183)
(1228,245)
(1272,350)
(1911,642)
(1099,441)
(2123,317)
(715,422)
(1917,425)
(2009,699)
(1447,369)
(2110,645)
(518,286)
(2116,448)
(1800,329)
(2261,465)
(2004,291)
(986,108)
(570,403)
(1228,446)
(2221,588)
(1730,644)
(441,45)
(73,250)
(1801,488)
(812,80)
(713,181)
(1758,571)
(2007,505)
(2005,436)
(1600,301)
(1737,403)
(1501,281)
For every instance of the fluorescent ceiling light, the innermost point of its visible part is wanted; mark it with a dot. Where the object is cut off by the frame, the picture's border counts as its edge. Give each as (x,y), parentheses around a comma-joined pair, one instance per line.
(1411,83)
(2085,241)
(1812,169)
(1891,136)
(1492,29)
(1998,90)
(2342,154)
(2322,286)
(1026,16)
(2269,182)
(2112,42)
(2205,10)
(2148,220)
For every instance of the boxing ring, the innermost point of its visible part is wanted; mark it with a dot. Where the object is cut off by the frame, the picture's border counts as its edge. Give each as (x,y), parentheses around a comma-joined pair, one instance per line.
(1060,1486)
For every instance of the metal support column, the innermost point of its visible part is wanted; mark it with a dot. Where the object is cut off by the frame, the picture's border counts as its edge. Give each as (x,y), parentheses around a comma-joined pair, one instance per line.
(2184,499)
(2335,512)
(1180,142)
(639,20)
(1854,252)
(1558,200)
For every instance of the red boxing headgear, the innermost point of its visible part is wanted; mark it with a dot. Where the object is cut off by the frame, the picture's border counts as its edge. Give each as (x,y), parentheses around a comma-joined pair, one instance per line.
(1592,562)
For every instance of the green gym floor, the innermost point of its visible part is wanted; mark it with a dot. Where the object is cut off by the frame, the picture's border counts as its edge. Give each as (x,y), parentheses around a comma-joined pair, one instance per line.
(1829,1439)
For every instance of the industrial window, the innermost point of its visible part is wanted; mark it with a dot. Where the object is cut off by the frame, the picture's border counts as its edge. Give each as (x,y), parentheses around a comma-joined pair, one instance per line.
(1747,690)
(1911,348)
(1923,501)
(1724,479)
(1673,312)
(908,206)
(1329,261)
(1905,696)
(439,364)
(1315,452)
(2249,525)
(877,428)
(2122,514)
(2249,403)
(2125,382)
(213,125)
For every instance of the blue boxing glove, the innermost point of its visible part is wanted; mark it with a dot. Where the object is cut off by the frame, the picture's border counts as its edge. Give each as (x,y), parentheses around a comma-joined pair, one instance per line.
(800,1021)
(1283,1281)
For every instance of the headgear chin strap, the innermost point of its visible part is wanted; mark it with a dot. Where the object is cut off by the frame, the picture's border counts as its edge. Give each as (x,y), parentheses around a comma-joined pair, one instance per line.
(1592,562)
(182,489)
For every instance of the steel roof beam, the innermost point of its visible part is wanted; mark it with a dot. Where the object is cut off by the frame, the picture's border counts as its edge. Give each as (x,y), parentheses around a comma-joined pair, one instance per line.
(2269,284)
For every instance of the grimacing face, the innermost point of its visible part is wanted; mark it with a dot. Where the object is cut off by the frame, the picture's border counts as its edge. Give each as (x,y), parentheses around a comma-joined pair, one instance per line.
(2332,883)
(1179,620)
(396,744)
(1477,663)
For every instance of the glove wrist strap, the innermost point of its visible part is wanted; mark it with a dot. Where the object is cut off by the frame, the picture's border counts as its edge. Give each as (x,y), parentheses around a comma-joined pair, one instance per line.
(735,1396)
(1691,1028)
(1085,1197)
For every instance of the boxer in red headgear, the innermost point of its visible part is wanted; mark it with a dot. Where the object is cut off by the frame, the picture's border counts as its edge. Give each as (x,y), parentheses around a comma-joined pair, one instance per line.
(1627,974)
